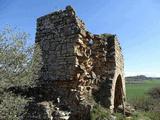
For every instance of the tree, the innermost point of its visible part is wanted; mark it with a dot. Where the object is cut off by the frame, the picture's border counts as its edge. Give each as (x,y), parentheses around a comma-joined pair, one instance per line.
(15,55)
(15,70)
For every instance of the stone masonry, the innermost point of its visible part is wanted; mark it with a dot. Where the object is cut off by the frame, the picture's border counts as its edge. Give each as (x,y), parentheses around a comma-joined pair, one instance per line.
(78,66)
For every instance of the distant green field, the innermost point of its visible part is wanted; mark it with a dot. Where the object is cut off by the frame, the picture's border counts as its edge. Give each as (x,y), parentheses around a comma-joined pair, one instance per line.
(140,90)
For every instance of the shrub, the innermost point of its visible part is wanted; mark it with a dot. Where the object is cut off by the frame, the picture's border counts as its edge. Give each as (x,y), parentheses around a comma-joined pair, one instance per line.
(12,107)
(143,103)
(99,113)
(152,115)
(155,93)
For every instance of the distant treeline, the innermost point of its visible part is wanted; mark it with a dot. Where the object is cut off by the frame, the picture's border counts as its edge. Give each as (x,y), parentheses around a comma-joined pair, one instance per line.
(141,78)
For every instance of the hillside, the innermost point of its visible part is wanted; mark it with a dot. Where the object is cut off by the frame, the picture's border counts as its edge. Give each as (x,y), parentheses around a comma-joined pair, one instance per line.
(141,78)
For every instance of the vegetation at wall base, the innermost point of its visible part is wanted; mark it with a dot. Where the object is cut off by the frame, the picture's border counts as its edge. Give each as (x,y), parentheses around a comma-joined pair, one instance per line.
(99,113)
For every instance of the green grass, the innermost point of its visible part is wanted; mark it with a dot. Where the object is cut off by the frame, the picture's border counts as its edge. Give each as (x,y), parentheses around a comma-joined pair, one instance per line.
(99,113)
(139,90)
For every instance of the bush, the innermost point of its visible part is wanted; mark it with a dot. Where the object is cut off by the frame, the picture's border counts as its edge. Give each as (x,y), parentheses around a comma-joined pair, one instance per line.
(144,103)
(152,115)
(155,93)
(100,113)
(12,107)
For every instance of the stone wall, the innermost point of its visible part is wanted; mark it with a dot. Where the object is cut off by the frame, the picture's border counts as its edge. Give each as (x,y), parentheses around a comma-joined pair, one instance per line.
(78,66)
(57,34)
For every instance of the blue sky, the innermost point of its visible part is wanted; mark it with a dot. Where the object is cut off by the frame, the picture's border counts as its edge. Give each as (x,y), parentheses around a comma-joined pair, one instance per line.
(136,22)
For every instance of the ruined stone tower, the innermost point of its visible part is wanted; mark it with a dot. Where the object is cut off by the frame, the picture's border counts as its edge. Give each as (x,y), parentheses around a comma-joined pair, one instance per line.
(78,66)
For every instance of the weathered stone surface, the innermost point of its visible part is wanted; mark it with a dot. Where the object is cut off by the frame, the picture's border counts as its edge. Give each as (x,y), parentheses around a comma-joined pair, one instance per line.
(78,65)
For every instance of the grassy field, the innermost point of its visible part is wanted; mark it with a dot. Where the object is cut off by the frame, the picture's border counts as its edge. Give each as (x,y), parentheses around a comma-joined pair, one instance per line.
(140,90)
